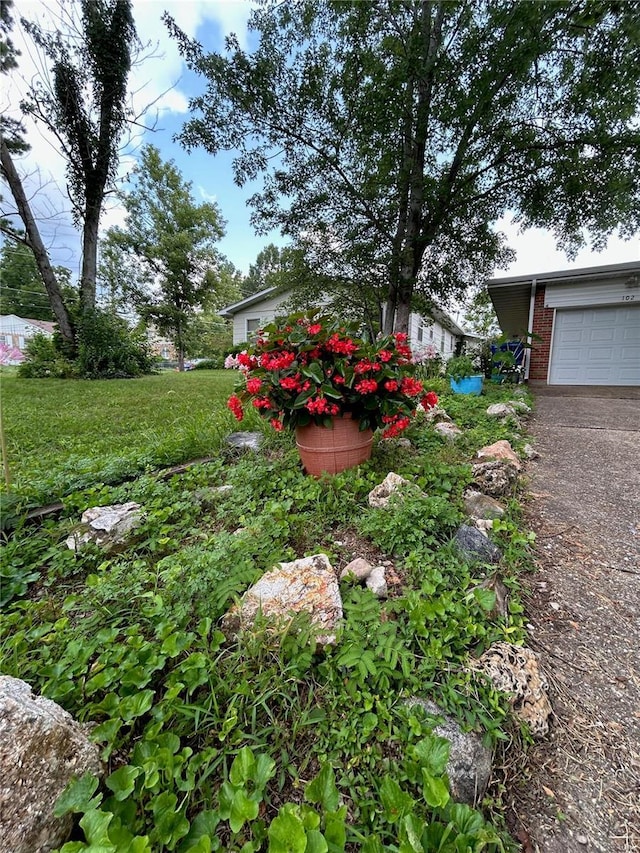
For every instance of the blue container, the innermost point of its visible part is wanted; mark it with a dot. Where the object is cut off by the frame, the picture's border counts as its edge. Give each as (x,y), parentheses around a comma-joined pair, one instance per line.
(468,385)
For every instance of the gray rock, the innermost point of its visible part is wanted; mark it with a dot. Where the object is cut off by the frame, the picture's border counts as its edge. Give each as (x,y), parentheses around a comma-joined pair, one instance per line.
(500,410)
(358,568)
(474,546)
(377,582)
(438,415)
(515,670)
(478,505)
(495,478)
(107,526)
(308,585)
(469,765)
(245,441)
(447,430)
(42,748)
(530,453)
(519,406)
(380,496)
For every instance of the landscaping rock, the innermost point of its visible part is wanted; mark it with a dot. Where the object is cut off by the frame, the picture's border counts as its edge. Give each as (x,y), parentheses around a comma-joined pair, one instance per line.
(484,525)
(107,526)
(515,670)
(469,765)
(245,441)
(500,450)
(474,546)
(377,582)
(308,585)
(495,478)
(500,410)
(447,430)
(530,453)
(42,748)
(437,415)
(405,443)
(481,506)
(380,496)
(519,406)
(358,568)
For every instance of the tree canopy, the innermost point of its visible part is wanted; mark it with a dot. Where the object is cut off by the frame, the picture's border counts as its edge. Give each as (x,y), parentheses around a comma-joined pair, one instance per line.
(22,292)
(168,247)
(394,135)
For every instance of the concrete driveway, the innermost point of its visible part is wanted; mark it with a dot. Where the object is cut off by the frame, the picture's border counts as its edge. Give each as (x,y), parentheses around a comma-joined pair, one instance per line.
(584,611)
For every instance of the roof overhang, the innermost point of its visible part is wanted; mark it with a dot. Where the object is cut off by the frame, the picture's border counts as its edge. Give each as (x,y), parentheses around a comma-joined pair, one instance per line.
(511,296)
(230,310)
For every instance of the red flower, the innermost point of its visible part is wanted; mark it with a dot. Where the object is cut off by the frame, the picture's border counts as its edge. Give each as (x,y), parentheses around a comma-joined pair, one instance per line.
(261,402)
(247,360)
(391,385)
(338,380)
(385,355)
(430,400)
(314,328)
(343,347)
(411,387)
(396,427)
(400,337)
(276,423)
(367,386)
(235,405)
(271,361)
(254,385)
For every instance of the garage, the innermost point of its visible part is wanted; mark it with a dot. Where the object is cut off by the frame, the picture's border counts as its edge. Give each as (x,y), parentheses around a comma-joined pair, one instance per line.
(596,346)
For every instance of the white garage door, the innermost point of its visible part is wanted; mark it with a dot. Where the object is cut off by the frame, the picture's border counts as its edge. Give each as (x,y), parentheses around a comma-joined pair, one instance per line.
(596,346)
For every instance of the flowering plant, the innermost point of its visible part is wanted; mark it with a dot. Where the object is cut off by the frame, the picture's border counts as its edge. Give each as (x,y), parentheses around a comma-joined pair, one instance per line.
(309,369)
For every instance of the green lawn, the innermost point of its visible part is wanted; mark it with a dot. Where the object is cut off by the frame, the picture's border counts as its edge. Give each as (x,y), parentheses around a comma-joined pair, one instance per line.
(66,433)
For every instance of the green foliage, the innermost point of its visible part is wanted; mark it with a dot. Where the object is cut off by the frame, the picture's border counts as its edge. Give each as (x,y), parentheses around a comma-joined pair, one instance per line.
(109,349)
(22,290)
(263,741)
(44,360)
(461,367)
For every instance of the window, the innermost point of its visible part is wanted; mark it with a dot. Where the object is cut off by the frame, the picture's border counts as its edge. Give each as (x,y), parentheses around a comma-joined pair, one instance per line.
(431,333)
(252,327)
(420,333)
(442,341)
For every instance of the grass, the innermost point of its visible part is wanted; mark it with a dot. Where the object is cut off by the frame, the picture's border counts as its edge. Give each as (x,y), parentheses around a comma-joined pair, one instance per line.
(261,741)
(65,434)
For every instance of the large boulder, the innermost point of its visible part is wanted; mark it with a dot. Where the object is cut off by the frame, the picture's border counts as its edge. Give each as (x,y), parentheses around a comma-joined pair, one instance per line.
(494,478)
(392,484)
(515,670)
(469,765)
(308,585)
(42,748)
(474,546)
(107,526)
(500,450)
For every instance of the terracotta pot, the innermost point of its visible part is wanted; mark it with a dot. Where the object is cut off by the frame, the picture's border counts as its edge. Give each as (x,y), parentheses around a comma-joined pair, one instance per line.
(333,450)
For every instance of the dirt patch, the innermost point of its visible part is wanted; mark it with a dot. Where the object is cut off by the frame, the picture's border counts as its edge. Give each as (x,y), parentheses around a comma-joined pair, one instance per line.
(580,790)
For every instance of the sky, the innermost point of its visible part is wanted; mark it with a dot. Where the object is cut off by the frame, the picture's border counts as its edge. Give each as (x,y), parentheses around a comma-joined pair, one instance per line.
(164,81)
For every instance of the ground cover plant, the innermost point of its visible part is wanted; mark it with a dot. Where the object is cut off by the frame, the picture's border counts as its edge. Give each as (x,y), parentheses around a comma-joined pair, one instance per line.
(266,742)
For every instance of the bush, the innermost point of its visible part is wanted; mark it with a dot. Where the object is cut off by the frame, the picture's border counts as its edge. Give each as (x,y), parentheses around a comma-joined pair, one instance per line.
(109,349)
(44,359)
(215,363)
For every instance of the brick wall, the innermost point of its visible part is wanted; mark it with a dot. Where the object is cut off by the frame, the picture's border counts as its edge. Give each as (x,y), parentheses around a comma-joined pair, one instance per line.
(542,327)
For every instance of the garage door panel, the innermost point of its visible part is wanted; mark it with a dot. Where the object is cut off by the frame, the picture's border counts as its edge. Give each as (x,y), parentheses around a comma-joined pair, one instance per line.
(596,346)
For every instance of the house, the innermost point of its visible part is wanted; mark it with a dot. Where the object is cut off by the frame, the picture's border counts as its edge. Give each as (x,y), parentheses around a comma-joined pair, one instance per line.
(253,312)
(585,323)
(16,332)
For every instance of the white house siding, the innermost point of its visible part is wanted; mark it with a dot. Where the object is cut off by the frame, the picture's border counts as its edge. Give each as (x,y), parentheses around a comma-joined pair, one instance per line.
(424,332)
(264,312)
(16,331)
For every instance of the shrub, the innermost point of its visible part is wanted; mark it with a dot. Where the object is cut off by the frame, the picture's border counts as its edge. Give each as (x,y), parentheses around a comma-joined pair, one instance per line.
(44,359)
(214,363)
(108,349)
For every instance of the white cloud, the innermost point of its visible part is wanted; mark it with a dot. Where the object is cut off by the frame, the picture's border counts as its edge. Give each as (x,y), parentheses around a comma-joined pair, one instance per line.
(212,198)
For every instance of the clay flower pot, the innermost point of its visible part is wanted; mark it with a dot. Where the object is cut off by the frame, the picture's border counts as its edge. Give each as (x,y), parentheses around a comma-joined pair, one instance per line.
(333,450)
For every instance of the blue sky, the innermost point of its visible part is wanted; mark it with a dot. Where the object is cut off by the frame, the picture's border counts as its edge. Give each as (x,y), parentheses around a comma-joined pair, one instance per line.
(165,80)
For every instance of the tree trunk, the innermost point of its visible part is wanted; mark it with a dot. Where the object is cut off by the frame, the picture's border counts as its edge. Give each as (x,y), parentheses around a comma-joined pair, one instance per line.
(37,246)
(89,259)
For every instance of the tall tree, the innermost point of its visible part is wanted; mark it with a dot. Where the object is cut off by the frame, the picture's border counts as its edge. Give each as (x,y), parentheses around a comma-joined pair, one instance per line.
(268,270)
(21,288)
(398,133)
(85,108)
(169,241)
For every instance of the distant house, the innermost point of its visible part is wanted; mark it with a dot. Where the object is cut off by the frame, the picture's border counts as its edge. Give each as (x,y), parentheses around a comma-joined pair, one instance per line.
(16,332)
(585,323)
(252,313)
